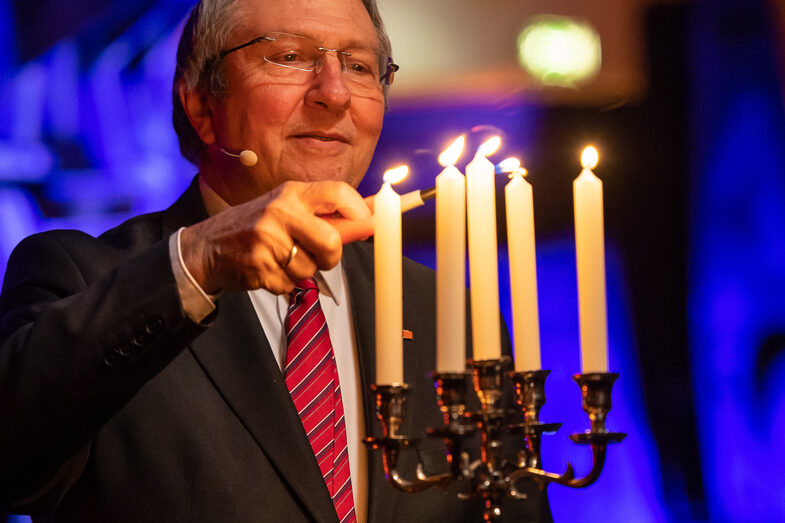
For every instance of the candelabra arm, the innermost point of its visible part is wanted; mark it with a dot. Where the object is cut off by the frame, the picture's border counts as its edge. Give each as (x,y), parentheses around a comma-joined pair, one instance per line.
(567,479)
(390,409)
(597,464)
(542,477)
(423,481)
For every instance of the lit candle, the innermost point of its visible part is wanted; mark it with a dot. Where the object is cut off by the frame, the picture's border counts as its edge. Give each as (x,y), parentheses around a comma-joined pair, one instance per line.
(483,276)
(523,267)
(450,262)
(590,257)
(362,228)
(387,275)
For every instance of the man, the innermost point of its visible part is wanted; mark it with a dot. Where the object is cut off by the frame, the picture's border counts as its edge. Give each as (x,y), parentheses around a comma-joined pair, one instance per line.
(145,374)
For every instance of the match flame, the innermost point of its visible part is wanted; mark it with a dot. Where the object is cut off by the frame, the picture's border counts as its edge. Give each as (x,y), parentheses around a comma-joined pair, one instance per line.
(396,174)
(451,155)
(590,157)
(490,146)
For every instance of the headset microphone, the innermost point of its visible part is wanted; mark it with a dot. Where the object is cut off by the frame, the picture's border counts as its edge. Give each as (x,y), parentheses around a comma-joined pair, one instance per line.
(247,158)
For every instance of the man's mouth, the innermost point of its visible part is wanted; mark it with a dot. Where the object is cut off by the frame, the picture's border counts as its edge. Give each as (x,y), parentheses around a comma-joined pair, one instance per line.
(323,137)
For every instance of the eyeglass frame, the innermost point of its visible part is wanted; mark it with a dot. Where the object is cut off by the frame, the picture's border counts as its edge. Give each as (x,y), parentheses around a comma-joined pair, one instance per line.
(384,80)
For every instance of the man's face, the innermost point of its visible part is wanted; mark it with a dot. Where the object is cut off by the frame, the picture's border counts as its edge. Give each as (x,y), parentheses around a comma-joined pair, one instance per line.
(312,131)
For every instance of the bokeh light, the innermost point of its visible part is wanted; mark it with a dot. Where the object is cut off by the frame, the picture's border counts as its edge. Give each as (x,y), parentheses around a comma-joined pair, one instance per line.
(559,50)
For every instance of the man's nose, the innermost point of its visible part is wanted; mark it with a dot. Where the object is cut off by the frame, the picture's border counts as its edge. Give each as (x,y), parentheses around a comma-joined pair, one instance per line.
(329,89)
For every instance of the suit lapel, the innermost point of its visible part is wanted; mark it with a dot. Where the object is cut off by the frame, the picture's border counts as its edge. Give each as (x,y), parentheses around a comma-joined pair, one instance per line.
(236,356)
(358,264)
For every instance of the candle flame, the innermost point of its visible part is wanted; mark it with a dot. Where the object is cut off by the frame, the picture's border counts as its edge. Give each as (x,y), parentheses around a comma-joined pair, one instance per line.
(509,165)
(396,174)
(451,155)
(590,157)
(512,166)
(490,146)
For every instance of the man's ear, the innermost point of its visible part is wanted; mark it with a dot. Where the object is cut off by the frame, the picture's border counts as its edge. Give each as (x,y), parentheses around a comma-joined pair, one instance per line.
(197,109)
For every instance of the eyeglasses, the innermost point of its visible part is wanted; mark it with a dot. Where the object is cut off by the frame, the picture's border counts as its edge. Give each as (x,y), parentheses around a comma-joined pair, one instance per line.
(292,58)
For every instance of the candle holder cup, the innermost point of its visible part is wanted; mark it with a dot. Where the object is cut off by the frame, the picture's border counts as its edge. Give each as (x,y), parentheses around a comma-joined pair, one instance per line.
(488,376)
(529,395)
(490,477)
(596,393)
(451,395)
(390,407)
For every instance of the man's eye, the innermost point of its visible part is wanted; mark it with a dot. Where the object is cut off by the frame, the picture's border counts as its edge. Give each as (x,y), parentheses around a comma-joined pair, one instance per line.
(289,57)
(360,68)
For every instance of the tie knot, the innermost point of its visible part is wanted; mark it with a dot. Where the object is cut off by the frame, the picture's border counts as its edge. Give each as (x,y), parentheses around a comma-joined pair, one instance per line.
(305,285)
(300,292)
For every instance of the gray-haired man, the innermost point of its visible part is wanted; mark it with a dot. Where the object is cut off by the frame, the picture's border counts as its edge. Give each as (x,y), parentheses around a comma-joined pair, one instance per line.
(144,373)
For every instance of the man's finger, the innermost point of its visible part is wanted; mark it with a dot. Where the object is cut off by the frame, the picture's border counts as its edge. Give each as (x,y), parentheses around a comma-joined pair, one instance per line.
(352,230)
(321,240)
(329,197)
(301,265)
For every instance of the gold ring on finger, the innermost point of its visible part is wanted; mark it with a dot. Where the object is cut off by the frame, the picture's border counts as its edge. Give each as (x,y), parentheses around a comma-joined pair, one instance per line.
(291,256)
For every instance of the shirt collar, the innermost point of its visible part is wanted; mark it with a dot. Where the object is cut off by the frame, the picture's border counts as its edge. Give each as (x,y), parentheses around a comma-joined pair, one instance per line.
(329,282)
(213,203)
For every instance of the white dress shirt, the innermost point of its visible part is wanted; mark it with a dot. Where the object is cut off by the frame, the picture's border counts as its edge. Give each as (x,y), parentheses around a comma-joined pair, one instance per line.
(271,311)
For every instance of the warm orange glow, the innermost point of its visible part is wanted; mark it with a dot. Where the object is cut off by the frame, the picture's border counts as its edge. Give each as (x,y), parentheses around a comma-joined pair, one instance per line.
(451,155)
(490,146)
(509,165)
(590,157)
(396,174)
(512,166)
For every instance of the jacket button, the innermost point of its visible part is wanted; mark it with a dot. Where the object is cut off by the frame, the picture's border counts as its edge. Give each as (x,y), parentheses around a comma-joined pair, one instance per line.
(155,325)
(113,357)
(140,339)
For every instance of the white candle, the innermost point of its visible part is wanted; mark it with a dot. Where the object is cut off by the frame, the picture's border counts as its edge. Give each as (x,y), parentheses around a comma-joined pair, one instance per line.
(387,275)
(450,271)
(523,272)
(590,257)
(483,276)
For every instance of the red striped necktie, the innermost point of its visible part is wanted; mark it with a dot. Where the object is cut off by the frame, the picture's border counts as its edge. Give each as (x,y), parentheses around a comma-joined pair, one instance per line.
(312,378)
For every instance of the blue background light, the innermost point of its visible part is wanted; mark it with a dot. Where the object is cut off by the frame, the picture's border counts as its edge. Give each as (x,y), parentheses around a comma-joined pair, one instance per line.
(737,270)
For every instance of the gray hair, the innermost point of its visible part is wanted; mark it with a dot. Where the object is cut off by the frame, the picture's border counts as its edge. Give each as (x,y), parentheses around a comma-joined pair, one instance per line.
(205,34)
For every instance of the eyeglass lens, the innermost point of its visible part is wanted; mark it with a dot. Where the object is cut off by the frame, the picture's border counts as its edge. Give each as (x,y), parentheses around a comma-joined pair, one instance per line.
(294,58)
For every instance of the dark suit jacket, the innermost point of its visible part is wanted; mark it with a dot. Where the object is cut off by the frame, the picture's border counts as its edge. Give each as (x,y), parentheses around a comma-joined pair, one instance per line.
(116,407)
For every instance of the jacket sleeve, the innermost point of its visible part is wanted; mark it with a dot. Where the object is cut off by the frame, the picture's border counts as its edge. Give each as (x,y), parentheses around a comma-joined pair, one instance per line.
(83,326)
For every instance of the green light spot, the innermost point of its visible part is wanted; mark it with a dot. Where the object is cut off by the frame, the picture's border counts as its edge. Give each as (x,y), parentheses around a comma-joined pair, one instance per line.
(559,51)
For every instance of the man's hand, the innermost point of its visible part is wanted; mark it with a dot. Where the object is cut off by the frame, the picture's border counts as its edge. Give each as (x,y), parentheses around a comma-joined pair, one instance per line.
(245,247)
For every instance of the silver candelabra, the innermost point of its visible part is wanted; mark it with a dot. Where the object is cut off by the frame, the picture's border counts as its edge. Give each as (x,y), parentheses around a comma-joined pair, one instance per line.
(490,477)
